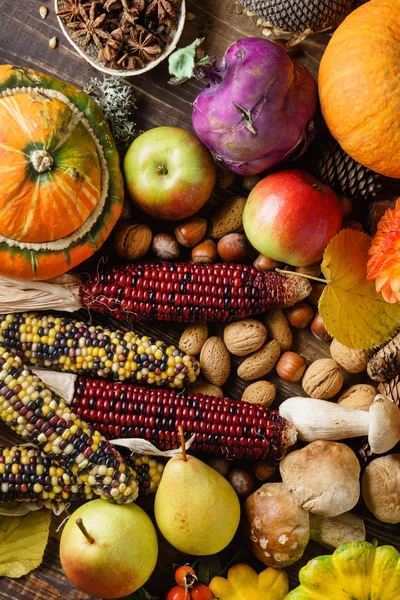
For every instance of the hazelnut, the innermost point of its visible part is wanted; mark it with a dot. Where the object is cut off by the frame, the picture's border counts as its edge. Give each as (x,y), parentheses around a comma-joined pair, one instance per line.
(300,315)
(356,225)
(316,293)
(220,464)
(191,232)
(346,206)
(318,329)
(232,247)
(206,252)
(250,182)
(132,240)
(165,246)
(352,361)
(291,366)
(312,270)
(323,379)
(242,482)
(265,469)
(263,263)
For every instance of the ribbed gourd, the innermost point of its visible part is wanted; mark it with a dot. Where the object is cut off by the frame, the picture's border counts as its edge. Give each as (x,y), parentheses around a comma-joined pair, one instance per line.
(299,18)
(61,189)
(356,571)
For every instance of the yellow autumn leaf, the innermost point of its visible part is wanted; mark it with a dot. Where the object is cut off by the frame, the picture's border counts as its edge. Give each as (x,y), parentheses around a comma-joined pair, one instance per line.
(22,542)
(351,309)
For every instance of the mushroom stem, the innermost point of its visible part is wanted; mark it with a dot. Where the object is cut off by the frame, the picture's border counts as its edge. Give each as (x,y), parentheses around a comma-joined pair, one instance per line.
(323,420)
(334,531)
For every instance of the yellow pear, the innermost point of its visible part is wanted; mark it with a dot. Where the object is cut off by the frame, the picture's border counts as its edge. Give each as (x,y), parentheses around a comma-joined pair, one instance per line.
(196,509)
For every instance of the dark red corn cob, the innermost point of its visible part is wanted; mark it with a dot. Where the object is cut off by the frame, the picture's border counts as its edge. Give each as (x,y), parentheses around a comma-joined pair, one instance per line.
(226,427)
(189,292)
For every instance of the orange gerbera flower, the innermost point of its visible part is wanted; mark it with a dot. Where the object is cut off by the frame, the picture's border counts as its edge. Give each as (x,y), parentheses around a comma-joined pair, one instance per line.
(384,264)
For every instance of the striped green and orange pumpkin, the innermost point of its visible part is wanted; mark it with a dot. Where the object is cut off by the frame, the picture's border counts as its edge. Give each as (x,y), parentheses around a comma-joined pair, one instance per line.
(61,188)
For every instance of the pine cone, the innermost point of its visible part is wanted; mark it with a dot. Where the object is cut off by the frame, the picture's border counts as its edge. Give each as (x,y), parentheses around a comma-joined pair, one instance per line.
(335,168)
(385,363)
(391,389)
(298,17)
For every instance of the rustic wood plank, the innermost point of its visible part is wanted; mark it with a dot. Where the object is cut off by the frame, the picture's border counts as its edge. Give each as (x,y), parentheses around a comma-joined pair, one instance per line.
(24,40)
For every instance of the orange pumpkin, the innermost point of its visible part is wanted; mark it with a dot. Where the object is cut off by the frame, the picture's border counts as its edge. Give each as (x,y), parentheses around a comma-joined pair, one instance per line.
(61,188)
(359,86)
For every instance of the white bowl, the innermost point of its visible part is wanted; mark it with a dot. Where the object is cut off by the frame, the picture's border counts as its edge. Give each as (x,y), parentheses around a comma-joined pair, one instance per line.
(91,53)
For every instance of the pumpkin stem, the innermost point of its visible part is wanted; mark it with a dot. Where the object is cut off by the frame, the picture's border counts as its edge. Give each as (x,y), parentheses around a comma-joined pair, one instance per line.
(41,161)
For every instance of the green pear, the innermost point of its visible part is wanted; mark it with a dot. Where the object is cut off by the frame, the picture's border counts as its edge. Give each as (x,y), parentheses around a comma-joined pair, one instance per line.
(196,509)
(108,550)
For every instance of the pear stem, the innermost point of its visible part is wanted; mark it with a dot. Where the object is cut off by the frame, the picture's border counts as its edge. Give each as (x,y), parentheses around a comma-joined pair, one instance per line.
(301,275)
(182,440)
(87,535)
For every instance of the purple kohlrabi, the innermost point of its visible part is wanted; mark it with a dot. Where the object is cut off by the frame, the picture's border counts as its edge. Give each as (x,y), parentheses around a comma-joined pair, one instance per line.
(257,108)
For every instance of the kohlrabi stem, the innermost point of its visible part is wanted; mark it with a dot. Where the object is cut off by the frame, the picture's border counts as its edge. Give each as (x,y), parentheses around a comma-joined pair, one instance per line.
(87,535)
(182,440)
(302,275)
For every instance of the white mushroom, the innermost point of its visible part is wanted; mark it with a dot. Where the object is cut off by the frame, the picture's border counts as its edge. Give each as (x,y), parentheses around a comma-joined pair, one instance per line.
(381,488)
(335,531)
(323,420)
(323,477)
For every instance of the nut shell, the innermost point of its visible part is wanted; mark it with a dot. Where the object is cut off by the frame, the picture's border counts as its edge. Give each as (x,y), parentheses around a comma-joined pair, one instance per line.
(279,329)
(261,362)
(228,218)
(260,392)
(215,361)
(232,248)
(291,367)
(359,396)
(352,361)
(277,527)
(193,338)
(165,246)
(191,232)
(244,337)
(264,263)
(132,240)
(206,388)
(300,315)
(205,252)
(323,379)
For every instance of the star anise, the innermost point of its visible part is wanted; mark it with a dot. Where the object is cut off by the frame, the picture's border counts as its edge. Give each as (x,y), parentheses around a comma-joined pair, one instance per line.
(143,44)
(112,5)
(130,13)
(164,12)
(91,26)
(70,11)
(131,63)
(110,49)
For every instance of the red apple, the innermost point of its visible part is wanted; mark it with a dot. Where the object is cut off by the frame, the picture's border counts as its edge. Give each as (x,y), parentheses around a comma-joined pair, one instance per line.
(290,217)
(169,173)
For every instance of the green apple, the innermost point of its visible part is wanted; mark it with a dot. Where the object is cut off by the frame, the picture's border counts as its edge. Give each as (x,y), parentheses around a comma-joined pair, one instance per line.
(108,550)
(169,174)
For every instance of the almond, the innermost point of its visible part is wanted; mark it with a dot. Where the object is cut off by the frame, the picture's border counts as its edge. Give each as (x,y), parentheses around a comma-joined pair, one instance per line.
(228,218)
(215,362)
(193,338)
(261,362)
(206,388)
(244,337)
(260,392)
(279,329)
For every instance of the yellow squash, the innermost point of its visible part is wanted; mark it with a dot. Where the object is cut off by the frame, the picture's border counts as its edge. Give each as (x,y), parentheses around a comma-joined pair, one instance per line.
(243,583)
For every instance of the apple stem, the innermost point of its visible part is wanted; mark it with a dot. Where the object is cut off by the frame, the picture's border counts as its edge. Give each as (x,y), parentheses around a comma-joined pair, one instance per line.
(182,440)
(161,170)
(87,535)
(301,275)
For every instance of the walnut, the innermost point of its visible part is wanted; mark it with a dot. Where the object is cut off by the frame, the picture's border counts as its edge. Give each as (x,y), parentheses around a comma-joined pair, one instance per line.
(352,361)
(323,379)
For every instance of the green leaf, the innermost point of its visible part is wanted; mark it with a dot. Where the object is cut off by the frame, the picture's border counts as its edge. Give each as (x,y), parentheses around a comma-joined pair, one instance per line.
(208,567)
(182,62)
(22,542)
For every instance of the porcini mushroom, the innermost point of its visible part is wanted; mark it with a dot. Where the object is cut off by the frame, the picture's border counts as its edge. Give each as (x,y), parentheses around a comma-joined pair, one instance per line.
(323,477)
(381,488)
(323,420)
(279,530)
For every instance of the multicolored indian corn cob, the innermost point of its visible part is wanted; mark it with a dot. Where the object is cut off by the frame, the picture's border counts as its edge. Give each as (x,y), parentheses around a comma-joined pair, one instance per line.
(28,475)
(73,346)
(226,427)
(189,292)
(41,417)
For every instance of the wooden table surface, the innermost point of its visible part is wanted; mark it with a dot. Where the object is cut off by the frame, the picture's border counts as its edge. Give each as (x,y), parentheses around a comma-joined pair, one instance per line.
(24,40)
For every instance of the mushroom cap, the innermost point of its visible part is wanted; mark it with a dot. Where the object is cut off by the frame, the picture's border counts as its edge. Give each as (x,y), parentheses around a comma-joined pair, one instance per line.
(323,477)
(381,488)
(278,529)
(384,427)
